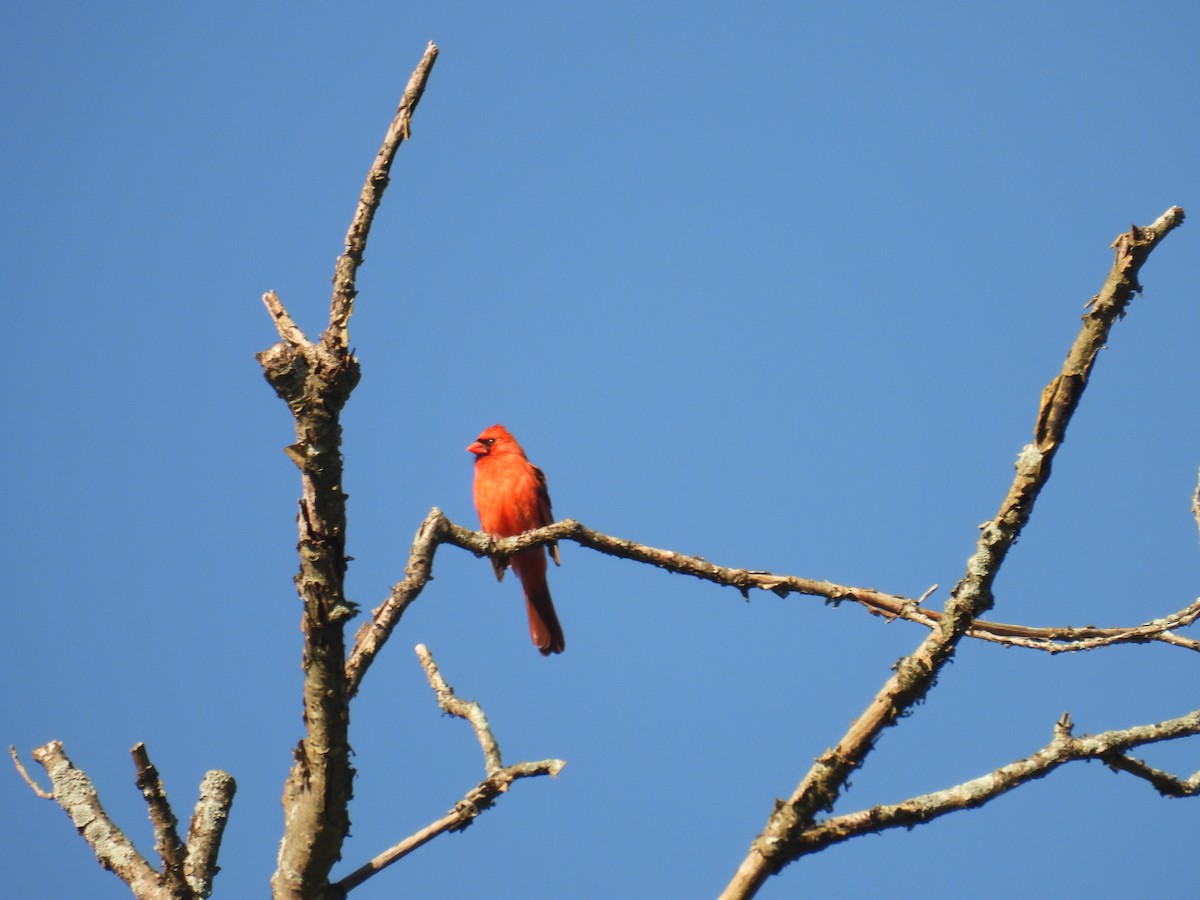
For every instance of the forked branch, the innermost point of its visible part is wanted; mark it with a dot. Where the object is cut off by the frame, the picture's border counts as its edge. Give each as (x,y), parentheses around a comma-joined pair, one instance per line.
(780,841)
(483,795)
(1109,746)
(315,379)
(188,870)
(436,529)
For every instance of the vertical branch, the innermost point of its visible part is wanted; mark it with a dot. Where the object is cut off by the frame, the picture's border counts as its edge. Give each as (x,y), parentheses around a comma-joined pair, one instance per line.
(317,793)
(206,830)
(315,379)
(166,835)
(820,788)
(346,272)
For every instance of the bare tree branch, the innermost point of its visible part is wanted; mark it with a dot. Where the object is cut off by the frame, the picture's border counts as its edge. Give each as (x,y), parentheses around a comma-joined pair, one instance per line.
(315,385)
(188,871)
(346,273)
(206,830)
(779,843)
(1063,748)
(373,635)
(1196,504)
(464,813)
(166,836)
(315,380)
(482,796)
(890,606)
(1165,783)
(33,785)
(74,792)
(284,324)
(464,709)
(436,529)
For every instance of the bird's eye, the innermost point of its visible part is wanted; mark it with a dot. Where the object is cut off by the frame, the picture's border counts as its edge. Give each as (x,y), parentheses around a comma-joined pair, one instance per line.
(487,442)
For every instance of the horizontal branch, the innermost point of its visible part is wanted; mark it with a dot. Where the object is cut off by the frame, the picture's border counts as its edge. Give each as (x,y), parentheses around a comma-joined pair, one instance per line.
(437,529)
(890,606)
(1108,746)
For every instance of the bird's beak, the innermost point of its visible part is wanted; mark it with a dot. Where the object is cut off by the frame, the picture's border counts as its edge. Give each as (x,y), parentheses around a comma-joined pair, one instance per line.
(478,449)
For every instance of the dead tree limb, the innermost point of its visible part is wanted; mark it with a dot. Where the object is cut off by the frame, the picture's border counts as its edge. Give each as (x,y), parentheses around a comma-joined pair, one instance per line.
(468,710)
(1109,746)
(24,773)
(436,529)
(890,606)
(76,794)
(1164,782)
(206,830)
(1196,504)
(780,841)
(171,849)
(315,379)
(188,870)
(483,795)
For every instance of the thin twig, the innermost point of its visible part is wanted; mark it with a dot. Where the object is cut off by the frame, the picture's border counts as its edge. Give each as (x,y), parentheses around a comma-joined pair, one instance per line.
(397,852)
(33,785)
(464,813)
(372,635)
(890,606)
(346,272)
(464,709)
(284,324)
(1164,782)
(479,798)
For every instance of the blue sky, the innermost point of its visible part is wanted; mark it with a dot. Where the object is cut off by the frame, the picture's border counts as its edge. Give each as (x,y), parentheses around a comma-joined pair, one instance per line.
(776,284)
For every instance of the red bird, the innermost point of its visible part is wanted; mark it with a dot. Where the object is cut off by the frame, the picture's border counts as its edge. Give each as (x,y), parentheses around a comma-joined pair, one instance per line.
(511,497)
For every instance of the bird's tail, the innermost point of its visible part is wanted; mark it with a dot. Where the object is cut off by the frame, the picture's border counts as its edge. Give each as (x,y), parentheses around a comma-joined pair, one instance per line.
(544,629)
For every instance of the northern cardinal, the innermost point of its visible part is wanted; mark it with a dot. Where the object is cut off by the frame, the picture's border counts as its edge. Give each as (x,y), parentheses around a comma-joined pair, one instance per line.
(511,497)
